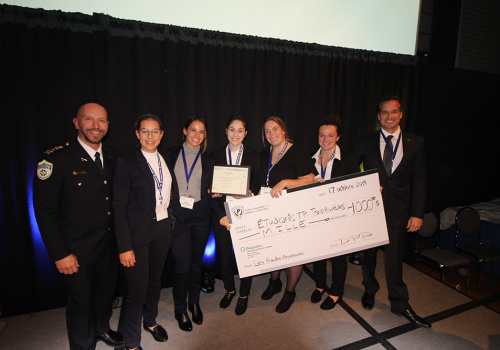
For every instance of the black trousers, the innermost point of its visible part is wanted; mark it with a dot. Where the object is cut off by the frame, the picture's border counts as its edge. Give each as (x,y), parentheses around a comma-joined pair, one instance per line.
(394,252)
(90,296)
(187,249)
(224,247)
(339,272)
(143,284)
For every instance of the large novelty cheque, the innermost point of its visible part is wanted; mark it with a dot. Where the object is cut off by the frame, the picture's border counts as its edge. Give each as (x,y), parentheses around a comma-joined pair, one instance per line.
(316,222)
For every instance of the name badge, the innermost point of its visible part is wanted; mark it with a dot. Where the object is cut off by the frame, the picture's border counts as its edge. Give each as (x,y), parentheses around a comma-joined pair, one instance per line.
(187,201)
(265,190)
(161,211)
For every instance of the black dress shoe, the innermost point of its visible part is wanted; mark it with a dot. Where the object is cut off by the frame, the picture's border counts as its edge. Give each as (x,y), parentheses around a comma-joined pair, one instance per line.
(316,296)
(111,338)
(125,348)
(197,315)
(159,333)
(226,300)
(329,303)
(368,300)
(274,287)
(184,321)
(412,317)
(241,305)
(286,302)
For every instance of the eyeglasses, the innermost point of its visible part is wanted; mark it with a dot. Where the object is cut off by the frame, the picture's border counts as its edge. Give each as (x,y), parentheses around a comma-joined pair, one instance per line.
(146,132)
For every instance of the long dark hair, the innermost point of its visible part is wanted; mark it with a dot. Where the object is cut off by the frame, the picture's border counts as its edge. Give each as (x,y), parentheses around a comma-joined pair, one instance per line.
(188,122)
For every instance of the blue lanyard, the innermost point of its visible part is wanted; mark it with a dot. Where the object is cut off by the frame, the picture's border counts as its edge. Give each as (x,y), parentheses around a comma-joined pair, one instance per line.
(188,175)
(389,144)
(159,182)
(238,159)
(269,166)
(323,171)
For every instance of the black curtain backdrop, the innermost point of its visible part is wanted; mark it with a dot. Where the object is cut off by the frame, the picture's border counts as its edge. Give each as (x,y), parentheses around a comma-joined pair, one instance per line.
(52,62)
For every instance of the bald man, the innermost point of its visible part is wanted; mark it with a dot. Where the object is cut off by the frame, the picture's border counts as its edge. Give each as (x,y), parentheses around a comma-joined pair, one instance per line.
(72,200)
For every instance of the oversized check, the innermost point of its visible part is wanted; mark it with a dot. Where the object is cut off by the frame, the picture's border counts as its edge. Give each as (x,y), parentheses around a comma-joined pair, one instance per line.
(316,222)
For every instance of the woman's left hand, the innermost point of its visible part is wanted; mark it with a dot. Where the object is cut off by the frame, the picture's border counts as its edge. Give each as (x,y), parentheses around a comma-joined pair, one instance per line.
(276,191)
(127,258)
(225,222)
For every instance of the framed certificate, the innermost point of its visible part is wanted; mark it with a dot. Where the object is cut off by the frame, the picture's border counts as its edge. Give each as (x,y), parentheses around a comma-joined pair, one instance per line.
(231,180)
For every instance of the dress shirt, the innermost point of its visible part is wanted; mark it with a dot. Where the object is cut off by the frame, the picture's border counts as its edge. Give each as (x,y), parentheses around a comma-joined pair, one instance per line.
(399,153)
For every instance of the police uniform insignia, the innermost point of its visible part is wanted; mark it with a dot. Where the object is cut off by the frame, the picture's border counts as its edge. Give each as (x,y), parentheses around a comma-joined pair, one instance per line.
(44,170)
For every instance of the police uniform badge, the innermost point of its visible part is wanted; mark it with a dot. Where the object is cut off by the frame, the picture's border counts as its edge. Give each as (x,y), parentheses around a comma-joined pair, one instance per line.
(44,169)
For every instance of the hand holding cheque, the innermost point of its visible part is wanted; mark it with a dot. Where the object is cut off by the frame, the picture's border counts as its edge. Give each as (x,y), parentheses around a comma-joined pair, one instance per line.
(340,216)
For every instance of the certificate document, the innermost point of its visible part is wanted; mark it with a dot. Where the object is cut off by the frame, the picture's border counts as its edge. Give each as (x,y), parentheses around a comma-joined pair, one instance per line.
(231,180)
(311,223)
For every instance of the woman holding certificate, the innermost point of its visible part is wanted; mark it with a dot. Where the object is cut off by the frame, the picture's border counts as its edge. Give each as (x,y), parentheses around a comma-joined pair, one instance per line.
(234,154)
(145,201)
(283,165)
(193,171)
(331,163)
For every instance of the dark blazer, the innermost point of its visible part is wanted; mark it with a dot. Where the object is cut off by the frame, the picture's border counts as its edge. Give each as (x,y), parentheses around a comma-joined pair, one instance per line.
(73,205)
(405,190)
(347,165)
(207,166)
(250,157)
(134,201)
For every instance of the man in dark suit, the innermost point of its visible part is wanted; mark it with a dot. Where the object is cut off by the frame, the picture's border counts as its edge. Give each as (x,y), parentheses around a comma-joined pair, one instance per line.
(399,158)
(72,200)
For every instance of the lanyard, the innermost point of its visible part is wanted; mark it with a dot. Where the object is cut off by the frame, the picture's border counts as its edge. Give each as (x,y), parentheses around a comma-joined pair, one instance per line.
(188,175)
(269,166)
(389,144)
(238,159)
(159,182)
(323,171)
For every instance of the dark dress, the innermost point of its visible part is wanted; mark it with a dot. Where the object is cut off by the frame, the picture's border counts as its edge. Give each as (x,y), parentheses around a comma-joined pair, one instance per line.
(293,164)
(222,236)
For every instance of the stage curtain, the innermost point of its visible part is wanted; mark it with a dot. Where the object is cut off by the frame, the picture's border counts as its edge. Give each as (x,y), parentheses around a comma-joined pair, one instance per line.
(51,62)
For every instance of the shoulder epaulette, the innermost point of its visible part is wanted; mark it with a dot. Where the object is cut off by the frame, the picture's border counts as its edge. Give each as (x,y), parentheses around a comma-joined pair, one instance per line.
(50,151)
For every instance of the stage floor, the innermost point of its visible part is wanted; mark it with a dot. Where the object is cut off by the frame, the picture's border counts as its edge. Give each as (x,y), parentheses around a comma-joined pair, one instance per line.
(458,322)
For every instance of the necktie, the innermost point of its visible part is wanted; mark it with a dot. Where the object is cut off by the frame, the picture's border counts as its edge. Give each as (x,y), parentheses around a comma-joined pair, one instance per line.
(98,161)
(387,160)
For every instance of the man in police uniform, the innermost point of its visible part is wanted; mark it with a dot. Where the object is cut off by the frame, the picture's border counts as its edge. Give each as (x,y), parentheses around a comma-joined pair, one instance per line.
(72,200)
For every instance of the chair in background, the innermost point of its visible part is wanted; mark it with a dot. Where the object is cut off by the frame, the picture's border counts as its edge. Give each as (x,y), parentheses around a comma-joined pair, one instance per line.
(467,225)
(426,246)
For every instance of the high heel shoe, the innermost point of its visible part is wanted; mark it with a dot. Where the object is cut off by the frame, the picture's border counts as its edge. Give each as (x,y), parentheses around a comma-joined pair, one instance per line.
(184,321)
(196,312)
